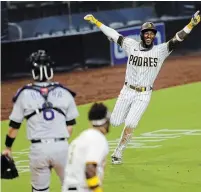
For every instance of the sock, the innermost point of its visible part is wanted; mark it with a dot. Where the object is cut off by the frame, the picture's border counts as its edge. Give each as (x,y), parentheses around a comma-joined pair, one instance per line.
(122,145)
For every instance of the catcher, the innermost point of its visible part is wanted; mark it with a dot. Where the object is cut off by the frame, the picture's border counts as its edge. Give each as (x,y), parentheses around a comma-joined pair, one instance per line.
(51,112)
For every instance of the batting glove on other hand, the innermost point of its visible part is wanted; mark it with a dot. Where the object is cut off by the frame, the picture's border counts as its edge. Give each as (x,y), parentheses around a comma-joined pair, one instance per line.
(195,19)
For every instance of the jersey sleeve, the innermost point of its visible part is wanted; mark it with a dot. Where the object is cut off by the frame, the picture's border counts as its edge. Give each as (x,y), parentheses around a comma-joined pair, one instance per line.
(72,111)
(164,50)
(127,43)
(96,152)
(17,113)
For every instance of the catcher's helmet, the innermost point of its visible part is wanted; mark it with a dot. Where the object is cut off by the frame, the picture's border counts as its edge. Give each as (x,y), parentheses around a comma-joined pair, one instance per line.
(41,64)
(148,26)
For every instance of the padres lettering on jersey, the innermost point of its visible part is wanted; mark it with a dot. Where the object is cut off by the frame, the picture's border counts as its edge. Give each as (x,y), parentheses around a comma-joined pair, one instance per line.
(143,61)
(143,66)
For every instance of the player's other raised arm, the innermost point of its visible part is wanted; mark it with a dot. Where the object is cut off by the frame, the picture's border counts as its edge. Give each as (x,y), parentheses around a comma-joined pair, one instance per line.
(181,35)
(111,33)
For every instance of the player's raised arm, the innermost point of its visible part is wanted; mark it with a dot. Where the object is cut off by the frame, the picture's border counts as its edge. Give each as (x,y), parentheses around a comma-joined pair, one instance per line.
(109,32)
(181,35)
(112,34)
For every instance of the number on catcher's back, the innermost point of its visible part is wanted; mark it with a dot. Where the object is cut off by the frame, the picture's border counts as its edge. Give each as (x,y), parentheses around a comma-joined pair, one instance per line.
(48,114)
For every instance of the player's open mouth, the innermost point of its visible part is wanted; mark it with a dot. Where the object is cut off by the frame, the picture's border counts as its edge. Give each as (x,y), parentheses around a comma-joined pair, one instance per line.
(148,40)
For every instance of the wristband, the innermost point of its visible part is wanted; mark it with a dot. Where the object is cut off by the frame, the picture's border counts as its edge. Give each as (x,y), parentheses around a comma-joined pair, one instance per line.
(93,182)
(178,38)
(9,141)
(188,28)
(98,23)
(98,189)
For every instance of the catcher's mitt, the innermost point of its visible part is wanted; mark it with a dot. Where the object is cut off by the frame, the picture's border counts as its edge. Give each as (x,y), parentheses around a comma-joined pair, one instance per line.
(8,168)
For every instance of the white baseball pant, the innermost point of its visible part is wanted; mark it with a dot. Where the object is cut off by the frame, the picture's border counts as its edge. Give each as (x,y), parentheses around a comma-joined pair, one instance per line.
(130,107)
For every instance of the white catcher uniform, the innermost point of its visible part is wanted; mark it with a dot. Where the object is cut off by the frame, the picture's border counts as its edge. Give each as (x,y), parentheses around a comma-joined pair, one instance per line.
(90,146)
(142,70)
(49,127)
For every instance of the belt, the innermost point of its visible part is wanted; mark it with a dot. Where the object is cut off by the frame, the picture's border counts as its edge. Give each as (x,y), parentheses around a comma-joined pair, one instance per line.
(139,89)
(72,189)
(47,140)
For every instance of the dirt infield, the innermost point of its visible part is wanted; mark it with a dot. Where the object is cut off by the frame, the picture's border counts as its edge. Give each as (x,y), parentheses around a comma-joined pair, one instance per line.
(100,84)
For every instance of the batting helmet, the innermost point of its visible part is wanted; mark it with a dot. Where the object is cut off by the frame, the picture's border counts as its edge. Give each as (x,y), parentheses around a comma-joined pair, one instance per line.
(148,26)
(41,64)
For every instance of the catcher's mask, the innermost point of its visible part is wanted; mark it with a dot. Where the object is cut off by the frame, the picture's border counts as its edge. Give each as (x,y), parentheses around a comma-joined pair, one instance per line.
(148,26)
(41,66)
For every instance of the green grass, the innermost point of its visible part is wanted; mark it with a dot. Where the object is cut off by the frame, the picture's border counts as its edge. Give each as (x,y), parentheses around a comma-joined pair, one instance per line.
(174,166)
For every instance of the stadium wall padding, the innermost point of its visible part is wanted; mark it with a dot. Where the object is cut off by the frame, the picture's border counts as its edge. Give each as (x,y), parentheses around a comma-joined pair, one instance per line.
(70,52)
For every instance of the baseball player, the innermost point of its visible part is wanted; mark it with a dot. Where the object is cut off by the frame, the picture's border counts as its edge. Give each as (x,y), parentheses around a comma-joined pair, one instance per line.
(144,63)
(50,111)
(87,154)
